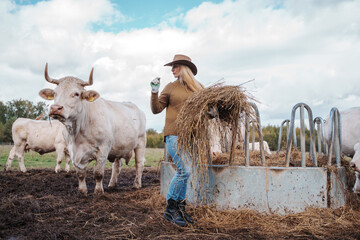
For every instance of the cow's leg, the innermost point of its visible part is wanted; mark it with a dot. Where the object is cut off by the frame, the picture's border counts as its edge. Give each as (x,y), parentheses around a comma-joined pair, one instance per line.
(10,158)
(59,157)
(116,168)
(139,161)
(356,187)
(67,162)
(20,151)
(99,175)
(81,175)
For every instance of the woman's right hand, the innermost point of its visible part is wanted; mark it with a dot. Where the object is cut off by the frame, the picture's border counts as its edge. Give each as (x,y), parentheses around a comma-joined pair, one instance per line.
(155,85)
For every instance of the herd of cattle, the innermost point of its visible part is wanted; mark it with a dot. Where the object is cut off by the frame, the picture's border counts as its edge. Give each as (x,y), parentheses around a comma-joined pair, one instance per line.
(84,130)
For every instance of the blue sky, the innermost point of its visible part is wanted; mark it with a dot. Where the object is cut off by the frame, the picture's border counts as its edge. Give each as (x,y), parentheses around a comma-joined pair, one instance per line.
(141,13)
(145,13)
(297,51)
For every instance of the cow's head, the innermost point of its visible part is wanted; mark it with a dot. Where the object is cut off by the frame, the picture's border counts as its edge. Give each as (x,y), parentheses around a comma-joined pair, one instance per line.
(69,96)
(355,162)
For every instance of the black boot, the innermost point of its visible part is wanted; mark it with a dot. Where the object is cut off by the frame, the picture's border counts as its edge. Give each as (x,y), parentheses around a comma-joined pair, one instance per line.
(181,205)
(173,214)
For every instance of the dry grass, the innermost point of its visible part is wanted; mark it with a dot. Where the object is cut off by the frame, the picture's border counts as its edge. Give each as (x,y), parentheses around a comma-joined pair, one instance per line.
(193,121)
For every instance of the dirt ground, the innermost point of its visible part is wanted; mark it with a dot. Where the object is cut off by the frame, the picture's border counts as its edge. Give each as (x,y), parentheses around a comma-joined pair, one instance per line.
(40,204)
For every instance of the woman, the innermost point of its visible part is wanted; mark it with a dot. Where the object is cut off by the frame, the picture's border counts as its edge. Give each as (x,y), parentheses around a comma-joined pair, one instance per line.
(172,98)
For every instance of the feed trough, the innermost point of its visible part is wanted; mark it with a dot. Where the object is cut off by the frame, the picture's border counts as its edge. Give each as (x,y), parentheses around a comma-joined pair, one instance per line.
(270,189)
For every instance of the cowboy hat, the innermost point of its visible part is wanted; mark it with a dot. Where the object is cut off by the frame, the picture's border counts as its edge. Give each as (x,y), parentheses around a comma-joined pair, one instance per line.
(183,60)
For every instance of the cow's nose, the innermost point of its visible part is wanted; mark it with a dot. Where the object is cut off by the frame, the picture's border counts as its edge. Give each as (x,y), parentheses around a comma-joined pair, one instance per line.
(353,165)
(56,109)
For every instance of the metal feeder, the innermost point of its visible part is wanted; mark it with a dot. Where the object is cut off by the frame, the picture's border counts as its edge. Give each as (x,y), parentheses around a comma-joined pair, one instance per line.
(277,190)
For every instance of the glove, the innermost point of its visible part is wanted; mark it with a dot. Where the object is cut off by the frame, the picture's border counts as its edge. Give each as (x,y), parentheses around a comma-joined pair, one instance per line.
(155,85)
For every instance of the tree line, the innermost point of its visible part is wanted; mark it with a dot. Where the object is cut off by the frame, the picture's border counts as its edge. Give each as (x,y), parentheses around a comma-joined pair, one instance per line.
(20,108)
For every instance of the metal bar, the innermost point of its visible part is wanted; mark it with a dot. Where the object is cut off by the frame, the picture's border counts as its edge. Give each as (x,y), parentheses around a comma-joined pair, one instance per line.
(280,133)
(320,135)
(295,139)
(334,136)
(258,123)
(253,136)
(312,137)
(232,151)
(291,135)
(246,140)
(287,127)
(302,137)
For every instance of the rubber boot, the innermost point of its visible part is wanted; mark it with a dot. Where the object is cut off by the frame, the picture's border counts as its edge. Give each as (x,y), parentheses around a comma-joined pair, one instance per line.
(181,205)
(173,214)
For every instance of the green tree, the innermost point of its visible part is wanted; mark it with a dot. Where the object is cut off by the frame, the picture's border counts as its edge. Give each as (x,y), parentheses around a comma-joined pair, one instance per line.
(7,137)
(154,139)
(24,108)
(151,131)
(2,132)
(3,111)
(15,109)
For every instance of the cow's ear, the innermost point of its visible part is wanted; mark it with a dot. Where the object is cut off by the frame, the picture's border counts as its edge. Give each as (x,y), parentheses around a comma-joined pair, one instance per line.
(90,95)
(47,94)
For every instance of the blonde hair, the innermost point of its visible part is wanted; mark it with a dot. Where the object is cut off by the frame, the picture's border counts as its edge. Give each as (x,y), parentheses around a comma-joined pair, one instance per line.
(188,80)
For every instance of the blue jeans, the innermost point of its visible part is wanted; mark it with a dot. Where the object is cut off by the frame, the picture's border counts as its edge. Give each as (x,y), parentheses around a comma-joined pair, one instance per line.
(178,185)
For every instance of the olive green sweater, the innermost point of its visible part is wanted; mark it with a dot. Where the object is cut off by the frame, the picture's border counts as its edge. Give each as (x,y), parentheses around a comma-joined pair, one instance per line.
(172,98)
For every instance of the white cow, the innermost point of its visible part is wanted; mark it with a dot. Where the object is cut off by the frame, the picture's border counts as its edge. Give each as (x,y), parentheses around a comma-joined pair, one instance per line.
(257,147)
(220,136)
(350,139)
(97,129)
(40,136)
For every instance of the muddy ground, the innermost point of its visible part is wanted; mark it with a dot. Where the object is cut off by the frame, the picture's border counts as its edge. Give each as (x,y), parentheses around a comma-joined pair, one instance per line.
(40,204)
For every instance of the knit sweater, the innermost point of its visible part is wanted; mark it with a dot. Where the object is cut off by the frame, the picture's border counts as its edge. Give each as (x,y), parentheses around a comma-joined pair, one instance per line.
(172,98)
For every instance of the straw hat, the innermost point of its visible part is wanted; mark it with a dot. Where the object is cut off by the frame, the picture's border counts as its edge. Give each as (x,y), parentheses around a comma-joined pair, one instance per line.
(183,60)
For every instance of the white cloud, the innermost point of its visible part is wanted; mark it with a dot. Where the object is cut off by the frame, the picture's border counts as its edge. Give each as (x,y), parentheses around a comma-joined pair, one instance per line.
(304,52)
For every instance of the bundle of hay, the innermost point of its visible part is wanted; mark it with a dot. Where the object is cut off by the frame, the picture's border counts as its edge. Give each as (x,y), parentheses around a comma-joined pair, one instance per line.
(193,119)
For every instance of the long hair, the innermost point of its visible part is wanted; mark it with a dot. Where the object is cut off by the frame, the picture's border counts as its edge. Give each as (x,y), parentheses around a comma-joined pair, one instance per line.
(188,80)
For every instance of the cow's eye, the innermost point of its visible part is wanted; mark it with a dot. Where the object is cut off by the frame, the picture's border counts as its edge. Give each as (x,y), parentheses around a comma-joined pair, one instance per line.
(77,94)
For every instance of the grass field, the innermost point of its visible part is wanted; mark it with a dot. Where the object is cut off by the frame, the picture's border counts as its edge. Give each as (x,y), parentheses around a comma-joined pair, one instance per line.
(34,160)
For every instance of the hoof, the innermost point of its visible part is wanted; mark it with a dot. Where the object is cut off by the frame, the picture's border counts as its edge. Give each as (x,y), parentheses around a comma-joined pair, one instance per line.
(83,192)
(136,186)
(99,192)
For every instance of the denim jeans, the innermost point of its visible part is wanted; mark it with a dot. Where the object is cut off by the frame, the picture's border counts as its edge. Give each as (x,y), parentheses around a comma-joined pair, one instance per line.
(178,185)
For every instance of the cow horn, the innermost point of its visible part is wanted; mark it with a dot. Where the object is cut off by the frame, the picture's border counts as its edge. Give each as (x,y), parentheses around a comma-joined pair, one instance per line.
(90,79)
(50,80)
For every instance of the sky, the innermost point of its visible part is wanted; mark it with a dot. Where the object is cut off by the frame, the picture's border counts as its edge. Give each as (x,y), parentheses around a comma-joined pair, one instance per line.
(296,51)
